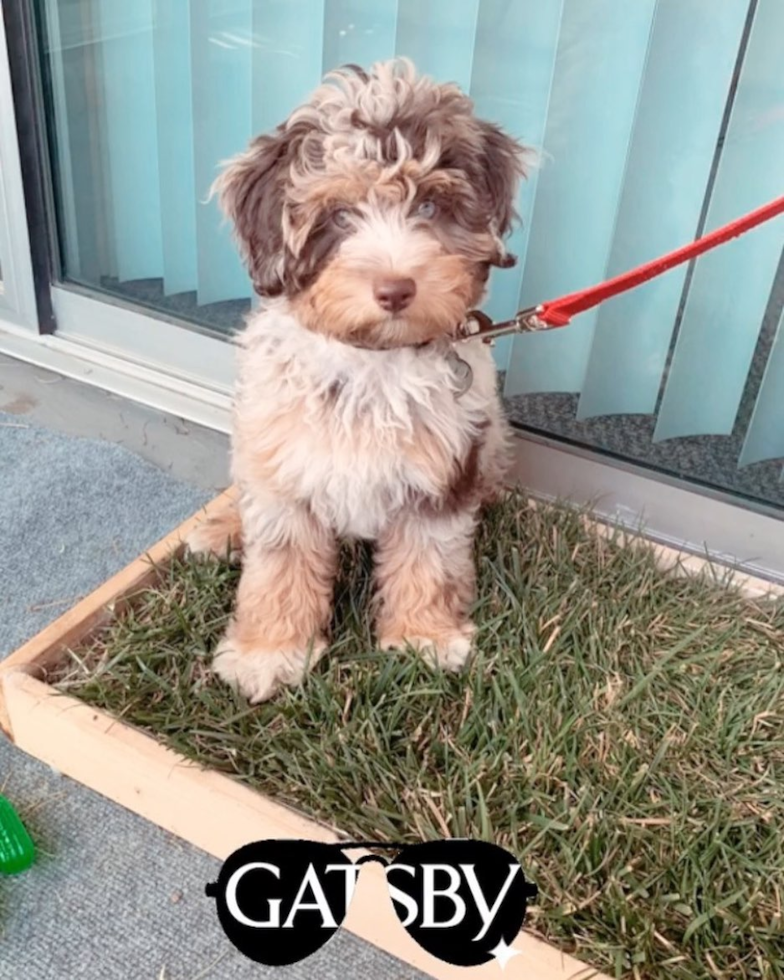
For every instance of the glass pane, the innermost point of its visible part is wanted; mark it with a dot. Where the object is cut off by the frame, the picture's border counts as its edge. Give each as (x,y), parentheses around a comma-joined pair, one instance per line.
(144,99)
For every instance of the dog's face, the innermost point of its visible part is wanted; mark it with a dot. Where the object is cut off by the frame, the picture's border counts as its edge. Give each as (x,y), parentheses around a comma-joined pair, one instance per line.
(377,208)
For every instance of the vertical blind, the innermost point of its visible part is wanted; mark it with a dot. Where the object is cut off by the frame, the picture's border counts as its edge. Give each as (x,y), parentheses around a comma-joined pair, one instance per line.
(656,120)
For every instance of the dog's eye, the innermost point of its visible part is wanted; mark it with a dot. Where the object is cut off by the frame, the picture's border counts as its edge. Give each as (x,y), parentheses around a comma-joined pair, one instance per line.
(342,218)
(427,210)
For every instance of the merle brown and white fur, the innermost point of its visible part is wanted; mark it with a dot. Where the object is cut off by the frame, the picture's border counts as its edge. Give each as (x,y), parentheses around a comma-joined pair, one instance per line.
(369,222)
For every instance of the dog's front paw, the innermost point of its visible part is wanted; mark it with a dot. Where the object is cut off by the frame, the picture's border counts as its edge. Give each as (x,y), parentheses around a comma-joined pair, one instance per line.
(259,674)
(448,650)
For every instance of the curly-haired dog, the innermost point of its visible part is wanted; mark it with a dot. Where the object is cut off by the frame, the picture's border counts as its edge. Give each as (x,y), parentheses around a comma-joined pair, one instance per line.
(369,221)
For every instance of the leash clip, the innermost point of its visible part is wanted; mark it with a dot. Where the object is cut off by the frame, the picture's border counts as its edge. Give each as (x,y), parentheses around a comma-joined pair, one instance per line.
(528,321)
(478,325)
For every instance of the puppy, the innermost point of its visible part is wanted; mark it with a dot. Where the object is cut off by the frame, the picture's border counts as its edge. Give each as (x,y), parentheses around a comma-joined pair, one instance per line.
(369,222)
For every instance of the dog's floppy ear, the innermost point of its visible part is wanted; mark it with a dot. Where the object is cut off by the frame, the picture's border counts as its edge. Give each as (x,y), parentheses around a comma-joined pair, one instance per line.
(251,192)
(505,162)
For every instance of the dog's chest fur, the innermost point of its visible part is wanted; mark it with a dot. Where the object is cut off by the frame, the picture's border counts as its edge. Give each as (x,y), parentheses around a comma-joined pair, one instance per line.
(355,435)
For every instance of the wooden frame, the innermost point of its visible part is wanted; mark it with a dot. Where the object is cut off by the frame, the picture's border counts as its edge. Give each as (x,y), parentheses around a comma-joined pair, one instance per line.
(210,810)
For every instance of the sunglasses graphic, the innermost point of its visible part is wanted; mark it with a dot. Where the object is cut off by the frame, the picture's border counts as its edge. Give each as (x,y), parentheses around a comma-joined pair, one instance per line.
(463,901)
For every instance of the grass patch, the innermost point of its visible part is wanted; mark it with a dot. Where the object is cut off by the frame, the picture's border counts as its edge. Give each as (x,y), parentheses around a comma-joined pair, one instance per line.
(621,730)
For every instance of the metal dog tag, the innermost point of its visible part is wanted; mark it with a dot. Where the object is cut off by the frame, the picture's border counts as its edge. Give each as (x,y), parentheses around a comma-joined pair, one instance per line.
(462,373)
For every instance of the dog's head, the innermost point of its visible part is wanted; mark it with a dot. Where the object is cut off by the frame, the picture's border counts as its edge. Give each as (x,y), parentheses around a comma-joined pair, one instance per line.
(377,208)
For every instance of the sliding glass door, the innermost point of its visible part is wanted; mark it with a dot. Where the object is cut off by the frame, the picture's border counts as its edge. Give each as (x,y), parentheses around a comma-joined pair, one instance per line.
(657,120)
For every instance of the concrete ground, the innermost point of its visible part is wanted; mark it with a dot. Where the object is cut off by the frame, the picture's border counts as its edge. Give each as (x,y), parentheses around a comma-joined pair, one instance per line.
(87,482)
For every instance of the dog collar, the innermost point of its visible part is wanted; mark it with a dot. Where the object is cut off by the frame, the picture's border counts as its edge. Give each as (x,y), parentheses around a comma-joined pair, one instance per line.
(386,350)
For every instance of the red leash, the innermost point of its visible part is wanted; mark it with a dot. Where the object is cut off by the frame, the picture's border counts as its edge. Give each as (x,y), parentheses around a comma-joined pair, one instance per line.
(558,312)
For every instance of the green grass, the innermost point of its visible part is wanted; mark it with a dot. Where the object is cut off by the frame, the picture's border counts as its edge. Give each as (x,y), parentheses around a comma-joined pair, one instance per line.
(621,730)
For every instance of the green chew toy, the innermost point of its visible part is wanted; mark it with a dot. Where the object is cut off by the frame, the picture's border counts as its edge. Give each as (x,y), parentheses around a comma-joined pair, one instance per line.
(17,851)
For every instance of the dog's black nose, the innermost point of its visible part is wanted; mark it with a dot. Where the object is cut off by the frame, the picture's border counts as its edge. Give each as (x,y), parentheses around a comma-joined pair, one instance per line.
(394,295)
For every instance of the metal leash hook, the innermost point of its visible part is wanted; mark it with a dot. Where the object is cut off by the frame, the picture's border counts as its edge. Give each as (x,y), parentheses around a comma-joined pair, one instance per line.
(478,325)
